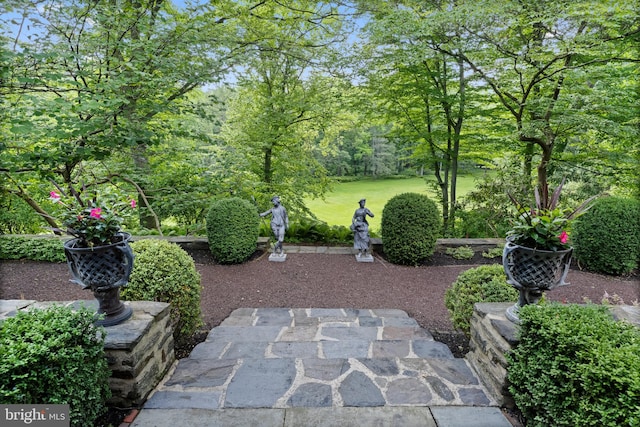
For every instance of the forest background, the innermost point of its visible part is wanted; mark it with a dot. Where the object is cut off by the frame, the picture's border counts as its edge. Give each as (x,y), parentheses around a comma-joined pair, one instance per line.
(182,103)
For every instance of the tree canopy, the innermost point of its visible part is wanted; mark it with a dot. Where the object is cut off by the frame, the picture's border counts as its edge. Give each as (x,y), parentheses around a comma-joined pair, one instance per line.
(129,93)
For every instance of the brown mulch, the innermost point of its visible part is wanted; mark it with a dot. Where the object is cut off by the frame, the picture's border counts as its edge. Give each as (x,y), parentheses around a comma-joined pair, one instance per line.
(315,280)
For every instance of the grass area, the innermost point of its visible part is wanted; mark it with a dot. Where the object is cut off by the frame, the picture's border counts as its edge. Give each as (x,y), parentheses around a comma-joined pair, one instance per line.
(338,207)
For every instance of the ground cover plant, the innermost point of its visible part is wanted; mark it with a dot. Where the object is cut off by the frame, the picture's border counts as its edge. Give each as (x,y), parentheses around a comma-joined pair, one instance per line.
(55,356)
(575,366)
(37,249)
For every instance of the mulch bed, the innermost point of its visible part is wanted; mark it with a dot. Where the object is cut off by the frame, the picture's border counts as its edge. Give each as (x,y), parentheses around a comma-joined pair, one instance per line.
(316,280)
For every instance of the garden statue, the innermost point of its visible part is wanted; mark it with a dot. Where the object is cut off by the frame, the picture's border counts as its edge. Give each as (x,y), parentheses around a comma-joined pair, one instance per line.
(279,224)
(360,228)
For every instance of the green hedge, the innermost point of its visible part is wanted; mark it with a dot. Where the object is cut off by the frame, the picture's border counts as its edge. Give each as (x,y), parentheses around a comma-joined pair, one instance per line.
(575,366)
(49,249)
(487,283)
(232,230)
(607,237)
(410,227)
(55,356)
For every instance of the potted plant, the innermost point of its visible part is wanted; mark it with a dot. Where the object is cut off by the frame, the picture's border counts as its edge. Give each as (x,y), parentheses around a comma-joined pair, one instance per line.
(538,251)
(99,256)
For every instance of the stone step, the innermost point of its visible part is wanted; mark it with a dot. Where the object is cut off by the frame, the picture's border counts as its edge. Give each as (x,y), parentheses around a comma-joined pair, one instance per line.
(313,316)
(321,332)
(348,348)
(298,382)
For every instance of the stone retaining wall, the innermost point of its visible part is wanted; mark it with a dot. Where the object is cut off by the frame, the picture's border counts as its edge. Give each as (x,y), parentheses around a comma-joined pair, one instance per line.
(139,351)
(493,336)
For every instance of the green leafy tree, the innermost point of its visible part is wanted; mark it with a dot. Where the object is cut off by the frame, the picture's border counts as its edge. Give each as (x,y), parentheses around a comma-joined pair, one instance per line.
(542,63)
(421,90)
(91,79)
(282,103)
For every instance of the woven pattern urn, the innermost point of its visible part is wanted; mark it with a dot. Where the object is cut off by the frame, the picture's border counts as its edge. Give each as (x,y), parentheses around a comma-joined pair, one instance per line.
(533,271)
(103,269)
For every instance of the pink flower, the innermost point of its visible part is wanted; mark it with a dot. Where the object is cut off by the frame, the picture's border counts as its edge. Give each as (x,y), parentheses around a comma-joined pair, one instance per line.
(133,203)
(55,197)
(95,213)
(564,237)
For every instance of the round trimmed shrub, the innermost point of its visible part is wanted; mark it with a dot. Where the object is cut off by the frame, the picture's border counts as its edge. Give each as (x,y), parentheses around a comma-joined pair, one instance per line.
(55,356)
(606,238)
(487,283)
(164,272)
(410,228)
(232,230)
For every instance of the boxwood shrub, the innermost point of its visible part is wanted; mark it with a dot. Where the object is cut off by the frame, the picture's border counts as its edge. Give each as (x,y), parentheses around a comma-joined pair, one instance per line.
(410,227)
(607,237)
(232,230)
(55,356)
(575,366)
(487,283)
(164,272)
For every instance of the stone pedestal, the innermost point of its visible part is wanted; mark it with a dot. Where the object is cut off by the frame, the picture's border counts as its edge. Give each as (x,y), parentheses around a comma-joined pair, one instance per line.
(139,352)
(364,258)
(278,257)
(492,337)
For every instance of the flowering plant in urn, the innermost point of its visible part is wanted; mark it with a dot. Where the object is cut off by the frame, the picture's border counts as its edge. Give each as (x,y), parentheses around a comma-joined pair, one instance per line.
(92,222)
(545,227)
(537,254)
(99,257)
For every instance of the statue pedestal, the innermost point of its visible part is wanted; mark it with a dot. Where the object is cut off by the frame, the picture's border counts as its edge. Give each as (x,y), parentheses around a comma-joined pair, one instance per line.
(278,257)
(364,258)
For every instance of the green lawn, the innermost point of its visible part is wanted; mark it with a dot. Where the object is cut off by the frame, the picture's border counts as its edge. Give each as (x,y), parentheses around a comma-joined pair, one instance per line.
(338,206)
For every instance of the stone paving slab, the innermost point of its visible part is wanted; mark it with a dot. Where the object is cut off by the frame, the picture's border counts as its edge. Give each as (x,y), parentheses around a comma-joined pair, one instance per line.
(369,367)
(258,358)
(325,417)
(280,383)
(319,367)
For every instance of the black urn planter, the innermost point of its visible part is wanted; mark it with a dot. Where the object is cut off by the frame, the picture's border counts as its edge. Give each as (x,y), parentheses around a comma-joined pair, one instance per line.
(103,269)
(533,271)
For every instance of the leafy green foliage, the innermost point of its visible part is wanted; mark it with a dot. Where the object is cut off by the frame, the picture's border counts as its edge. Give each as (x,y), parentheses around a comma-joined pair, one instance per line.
(162,271)
(55,356)
(487,283)
(575,366)
(307,230)
(461,252)
(493,252)
(607,237)
(37,249)
(410,227)
(16,217)
(232,230)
